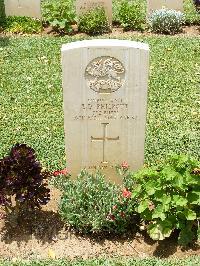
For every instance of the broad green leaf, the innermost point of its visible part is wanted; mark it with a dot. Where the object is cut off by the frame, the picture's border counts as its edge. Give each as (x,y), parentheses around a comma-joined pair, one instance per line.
(136,191)
(190,179)
(194,197)
(185,237)
(179,201)
(190,215)
(169,173)
(143,205)
(150,187)
(179,182)
(159,213)
(158,195)
(158,232)
(166,199)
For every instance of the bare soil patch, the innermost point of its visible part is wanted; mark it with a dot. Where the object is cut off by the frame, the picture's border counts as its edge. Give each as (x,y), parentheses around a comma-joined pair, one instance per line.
(44,235)
(117,32)
(188,31)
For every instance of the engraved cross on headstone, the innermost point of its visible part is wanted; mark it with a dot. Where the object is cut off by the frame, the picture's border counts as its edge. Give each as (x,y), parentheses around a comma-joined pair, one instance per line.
(19,4)
(104,139)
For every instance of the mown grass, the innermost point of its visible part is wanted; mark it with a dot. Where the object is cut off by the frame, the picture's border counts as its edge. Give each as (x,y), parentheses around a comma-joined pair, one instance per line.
(31,97)
(191,261)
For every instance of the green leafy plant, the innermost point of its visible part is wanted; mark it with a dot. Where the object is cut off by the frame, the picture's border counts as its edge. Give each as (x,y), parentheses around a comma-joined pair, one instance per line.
(94,22)
(90,204)
(16,24)
(22,181)
(192,12)
(168,197)
(131,15)
(59,14)
(166,21)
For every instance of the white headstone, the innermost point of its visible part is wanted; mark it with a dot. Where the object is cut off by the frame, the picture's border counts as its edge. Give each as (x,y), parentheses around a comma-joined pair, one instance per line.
(153,5)
(105,100)
(28,8)
(83,6)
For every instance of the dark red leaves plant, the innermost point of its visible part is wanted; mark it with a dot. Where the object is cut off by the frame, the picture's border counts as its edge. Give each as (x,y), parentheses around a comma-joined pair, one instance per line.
(21,177)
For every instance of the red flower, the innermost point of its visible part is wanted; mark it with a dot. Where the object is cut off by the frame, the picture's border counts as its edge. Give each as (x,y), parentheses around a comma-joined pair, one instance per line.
(125,165)
(126,193)
(122,214)
(56,173)
(61,172)
(111,217)
(64,171)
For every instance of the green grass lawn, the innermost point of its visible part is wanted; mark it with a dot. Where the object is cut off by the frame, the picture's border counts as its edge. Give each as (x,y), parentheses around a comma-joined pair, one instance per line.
(31,97)
(192,261)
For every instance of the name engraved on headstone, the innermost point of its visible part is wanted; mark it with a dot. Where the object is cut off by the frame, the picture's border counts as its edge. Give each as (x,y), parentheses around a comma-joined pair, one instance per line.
(101,109)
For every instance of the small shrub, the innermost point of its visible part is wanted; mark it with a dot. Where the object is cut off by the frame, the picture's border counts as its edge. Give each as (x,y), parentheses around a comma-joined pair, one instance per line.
(94,22)
(16,24)
(192,12)
(90,204)
(166,21)
(131,15)
(59,14)
(22,180)
(168,197)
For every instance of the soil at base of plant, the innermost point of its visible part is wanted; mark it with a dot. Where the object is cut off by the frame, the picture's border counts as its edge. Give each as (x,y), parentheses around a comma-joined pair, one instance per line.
(188,31)
(44,236)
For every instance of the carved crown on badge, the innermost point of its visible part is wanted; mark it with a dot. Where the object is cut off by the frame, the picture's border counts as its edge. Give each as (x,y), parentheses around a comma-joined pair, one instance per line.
(105,74)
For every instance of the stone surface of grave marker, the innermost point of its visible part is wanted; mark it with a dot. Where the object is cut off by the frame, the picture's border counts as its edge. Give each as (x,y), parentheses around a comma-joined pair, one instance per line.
(105,100)
(83,6)
(153,5)
(28,8)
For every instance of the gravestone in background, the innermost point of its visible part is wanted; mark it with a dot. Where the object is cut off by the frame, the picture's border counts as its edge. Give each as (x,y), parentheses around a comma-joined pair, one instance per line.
(83,6)
(2,11)
(153,5)
(28,8)
(105,100)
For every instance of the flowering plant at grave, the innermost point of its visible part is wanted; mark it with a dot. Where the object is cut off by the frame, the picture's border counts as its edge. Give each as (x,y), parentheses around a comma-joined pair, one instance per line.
(22,181)
(61,172)
(166,21)
(125,173)
(60,178)
(89,204)
(122,168)
(126,193)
